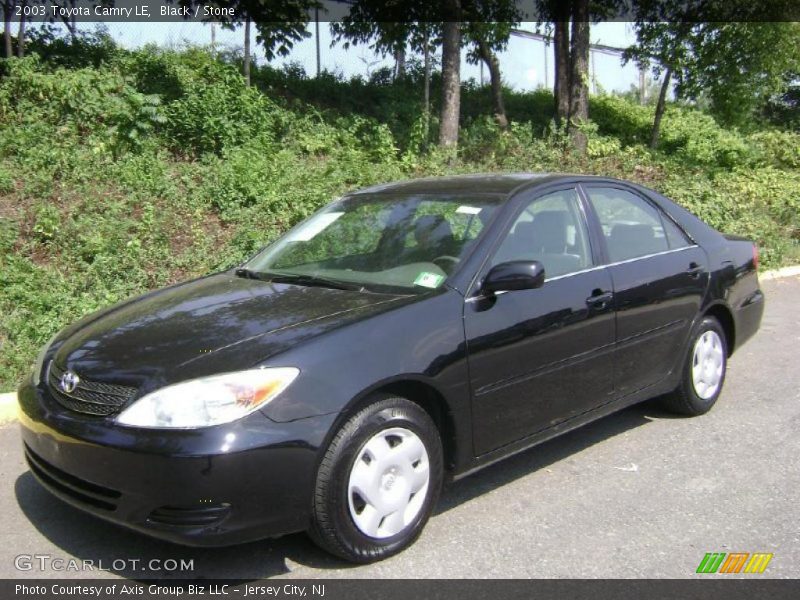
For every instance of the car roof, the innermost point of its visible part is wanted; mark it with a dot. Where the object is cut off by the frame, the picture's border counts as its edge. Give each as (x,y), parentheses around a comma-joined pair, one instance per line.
(482,183)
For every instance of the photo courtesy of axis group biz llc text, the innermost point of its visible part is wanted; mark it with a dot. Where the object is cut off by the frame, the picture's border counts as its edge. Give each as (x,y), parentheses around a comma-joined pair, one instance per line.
(366,299)
(134,589)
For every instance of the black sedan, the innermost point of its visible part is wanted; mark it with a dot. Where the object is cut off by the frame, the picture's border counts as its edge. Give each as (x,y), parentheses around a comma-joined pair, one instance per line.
(405,335)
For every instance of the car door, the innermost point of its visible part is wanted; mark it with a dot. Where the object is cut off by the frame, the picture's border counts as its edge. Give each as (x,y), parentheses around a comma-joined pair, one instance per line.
(538,357)
(659,278)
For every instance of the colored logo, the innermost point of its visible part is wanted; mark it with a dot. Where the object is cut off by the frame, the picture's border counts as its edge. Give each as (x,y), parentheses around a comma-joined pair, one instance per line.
(735,562)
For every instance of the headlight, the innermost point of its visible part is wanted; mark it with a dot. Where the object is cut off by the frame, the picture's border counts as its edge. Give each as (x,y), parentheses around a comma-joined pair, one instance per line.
(208,400)
(37,374)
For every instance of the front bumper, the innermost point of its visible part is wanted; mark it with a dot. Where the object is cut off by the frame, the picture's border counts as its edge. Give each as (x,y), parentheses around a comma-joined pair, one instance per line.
(215,486)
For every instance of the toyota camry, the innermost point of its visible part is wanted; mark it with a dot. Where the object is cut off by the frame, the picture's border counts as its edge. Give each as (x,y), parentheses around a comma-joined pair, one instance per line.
(402,337)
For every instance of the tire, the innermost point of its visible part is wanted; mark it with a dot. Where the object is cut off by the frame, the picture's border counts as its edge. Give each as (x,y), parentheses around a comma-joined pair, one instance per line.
(375,463)
(703,372)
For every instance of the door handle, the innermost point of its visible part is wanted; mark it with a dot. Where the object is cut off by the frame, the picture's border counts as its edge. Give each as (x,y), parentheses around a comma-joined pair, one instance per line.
(694,270)
(599,299)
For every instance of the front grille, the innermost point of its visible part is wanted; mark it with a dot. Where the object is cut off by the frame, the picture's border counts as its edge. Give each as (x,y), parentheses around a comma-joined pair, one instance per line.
(89,397)
(74,487)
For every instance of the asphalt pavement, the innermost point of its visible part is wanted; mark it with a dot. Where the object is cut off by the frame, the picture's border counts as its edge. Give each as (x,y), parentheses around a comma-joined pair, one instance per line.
(639,494)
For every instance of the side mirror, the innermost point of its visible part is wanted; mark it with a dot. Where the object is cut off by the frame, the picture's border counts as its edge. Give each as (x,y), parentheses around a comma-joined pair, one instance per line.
(514,275)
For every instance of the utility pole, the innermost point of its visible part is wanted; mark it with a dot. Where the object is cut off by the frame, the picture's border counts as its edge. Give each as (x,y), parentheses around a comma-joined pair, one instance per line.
(316,26)
(546,71)
(213,39)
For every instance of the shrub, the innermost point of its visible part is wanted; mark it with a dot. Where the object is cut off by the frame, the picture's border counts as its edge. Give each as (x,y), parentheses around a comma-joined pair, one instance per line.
(778,148)
(217,114)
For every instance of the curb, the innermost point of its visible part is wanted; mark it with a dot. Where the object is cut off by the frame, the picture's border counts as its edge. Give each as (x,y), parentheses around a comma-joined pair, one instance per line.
(8,408)
(8,402)
(780,273)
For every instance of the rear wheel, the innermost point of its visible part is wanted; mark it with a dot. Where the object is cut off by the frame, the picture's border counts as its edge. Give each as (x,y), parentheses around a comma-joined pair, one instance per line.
(703,372)
(378,481)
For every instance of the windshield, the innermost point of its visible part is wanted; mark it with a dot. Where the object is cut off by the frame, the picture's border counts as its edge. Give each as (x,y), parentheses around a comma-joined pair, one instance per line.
(406,243)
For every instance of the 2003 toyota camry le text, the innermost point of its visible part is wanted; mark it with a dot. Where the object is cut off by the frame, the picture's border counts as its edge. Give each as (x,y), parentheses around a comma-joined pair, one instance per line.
(405,335)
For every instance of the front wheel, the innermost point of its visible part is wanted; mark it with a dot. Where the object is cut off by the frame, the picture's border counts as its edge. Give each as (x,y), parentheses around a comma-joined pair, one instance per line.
(703,371)
(378,481)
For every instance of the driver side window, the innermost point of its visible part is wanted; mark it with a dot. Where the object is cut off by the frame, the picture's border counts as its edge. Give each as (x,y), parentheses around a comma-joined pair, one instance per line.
(551,230)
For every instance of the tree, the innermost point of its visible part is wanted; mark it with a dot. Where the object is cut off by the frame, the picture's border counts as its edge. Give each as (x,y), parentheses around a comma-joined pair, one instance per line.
(487,31)
(482,25)
(579,74)
(451,82)
(21,32)
(735,65)
(784,108)
(571,28)
(495,80)
(69,21)
(427,67)
(738,65)
(8,10)
(400,62)
(419,24)
(561,52)
(279,24)
(660,107)
(571,21)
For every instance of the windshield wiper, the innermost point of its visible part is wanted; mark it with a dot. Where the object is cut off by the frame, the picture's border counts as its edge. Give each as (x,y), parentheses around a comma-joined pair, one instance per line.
(249,274)
(311,280)
(300,279)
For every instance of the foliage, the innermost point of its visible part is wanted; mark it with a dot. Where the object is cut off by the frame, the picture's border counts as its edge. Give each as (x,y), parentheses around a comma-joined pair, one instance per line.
(85,49)
(279,24)
(757,57)
(147,167)
(218,111)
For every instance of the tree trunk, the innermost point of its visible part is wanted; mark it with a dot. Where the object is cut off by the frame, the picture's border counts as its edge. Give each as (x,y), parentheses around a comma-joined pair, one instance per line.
(246,64)
(400,62)
(642,86)
(562,68)
(7,10)
(73,25)
(660,107)
(21,33)
(579,75)
(426,49)
(451,84)
(493,64)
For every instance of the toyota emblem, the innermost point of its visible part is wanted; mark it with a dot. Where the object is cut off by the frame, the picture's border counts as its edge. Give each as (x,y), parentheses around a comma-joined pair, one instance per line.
(69,381)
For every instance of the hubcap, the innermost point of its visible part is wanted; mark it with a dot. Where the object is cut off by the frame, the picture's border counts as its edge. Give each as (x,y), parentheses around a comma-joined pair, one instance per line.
(388,482)
(708,363)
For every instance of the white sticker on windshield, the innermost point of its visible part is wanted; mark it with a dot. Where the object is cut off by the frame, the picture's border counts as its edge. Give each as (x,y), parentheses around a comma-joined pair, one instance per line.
(468,210)
(428,280)
(313,227)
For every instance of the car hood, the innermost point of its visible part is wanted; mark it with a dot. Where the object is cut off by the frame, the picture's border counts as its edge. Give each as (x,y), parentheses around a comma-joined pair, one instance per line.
(211,325)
